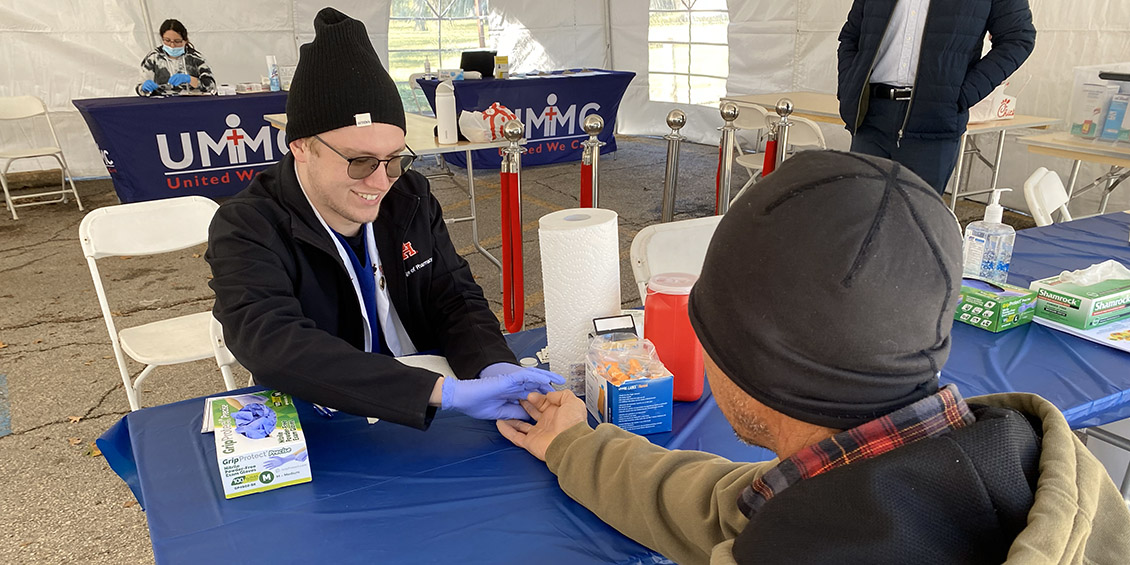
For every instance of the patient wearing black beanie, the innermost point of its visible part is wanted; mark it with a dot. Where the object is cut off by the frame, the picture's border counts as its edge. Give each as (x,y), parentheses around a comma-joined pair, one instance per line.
(839,309)
(339,80)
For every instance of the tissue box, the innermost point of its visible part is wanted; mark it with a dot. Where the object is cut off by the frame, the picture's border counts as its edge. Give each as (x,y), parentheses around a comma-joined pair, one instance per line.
(994,307)
(1082,307)
(249,465)
(615,396)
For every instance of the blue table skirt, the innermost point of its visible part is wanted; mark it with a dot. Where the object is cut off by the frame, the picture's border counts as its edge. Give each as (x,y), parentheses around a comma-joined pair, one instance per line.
(551,108)
(189,145)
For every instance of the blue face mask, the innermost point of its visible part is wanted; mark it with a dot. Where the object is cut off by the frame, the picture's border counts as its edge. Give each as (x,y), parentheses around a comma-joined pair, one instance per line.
(173,51)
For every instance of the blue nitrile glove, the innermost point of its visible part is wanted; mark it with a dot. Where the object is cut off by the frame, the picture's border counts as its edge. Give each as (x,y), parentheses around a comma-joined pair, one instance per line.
(499,369)
(255,421)
(148,86)
(179,79)
(496,397)
(280,461)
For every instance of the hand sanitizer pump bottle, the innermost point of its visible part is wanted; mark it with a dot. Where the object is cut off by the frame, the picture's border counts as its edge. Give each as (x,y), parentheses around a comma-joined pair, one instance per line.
(987,251)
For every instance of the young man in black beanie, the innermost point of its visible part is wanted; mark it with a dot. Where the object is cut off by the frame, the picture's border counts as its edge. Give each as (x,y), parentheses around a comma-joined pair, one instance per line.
(826,350)
(336,259)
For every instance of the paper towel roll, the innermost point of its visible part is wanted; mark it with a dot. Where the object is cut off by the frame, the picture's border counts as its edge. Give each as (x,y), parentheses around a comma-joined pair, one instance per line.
(580,271)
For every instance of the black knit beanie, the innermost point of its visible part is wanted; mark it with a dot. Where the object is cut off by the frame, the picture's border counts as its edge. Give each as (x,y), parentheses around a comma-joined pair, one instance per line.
(339,79)
(828,289)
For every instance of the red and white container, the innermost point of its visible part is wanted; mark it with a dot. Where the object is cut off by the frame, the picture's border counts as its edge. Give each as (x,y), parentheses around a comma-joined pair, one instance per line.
(668,327)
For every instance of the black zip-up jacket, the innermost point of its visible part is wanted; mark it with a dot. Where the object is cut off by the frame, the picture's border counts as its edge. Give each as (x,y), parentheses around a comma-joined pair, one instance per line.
(952,75)
(291,315)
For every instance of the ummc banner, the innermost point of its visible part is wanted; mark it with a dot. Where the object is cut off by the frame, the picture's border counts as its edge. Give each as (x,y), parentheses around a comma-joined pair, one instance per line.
(193,145)
(551,107)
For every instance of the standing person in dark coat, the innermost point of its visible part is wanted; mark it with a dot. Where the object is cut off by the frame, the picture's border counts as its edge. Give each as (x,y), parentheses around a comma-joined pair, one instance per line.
(317,292)
(909,70)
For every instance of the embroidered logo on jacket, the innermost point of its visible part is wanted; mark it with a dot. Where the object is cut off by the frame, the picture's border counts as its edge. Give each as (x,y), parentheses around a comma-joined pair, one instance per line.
(408,251)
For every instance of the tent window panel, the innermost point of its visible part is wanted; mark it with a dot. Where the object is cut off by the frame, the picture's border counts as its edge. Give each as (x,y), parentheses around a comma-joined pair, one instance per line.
(669,88)
(710,60)
(668,57)
(707,90)
(688,57)
(709,27)
(436,31)
(668,26)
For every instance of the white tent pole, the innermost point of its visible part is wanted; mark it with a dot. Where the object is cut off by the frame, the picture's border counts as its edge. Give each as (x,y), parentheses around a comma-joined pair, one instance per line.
(149,22)
(608,35)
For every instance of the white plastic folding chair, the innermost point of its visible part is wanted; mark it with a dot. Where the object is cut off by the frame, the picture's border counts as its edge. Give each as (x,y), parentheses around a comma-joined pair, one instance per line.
(22,108)
(804,133)
(417,91)
(224,357)
(1044,194)
(673,247)
(752,118)
(149,228)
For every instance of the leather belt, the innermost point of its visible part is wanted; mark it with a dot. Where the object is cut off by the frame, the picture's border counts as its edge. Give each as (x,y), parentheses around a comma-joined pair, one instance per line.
(888,92)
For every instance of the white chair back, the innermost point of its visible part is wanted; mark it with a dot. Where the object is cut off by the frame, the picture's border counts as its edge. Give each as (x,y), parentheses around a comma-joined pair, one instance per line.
(806,133)
(673,247)
(416,90)
(751,117)
(168,225)
(20,107)
(1044,193)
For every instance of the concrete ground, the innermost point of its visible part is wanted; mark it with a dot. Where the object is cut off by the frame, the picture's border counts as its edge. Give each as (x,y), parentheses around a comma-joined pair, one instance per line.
(61,502)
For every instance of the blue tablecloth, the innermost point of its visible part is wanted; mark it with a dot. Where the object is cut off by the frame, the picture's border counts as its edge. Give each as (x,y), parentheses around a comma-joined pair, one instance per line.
(1089,382)
(190,145)
(552,108)
(382,493)
(461,493)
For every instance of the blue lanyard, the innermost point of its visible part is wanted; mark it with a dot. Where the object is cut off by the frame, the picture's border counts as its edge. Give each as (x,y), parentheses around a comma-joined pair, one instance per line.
(367,281)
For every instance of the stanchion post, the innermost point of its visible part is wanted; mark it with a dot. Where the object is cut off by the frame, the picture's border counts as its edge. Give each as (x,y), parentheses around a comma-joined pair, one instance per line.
(784,109)
(513,297)
(729,112)
(676,119)
(590,162)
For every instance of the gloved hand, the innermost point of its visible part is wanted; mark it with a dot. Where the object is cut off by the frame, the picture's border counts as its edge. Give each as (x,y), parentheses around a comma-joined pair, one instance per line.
(495,397)
(499,369)
(179,79)
(255,420)
(148,86)
(277,461)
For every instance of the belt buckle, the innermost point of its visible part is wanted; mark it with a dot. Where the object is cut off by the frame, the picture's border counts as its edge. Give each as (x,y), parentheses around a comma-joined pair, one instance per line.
(900,94)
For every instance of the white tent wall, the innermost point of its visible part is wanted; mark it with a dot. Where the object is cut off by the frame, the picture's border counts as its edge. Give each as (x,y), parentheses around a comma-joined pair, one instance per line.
(61,50)
(570,35)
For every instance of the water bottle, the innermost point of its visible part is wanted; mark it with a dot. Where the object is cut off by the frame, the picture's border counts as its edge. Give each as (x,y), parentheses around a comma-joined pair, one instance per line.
(668,327)
(447,131)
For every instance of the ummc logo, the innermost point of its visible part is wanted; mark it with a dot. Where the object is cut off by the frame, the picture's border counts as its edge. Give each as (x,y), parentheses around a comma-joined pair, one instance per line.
(551,117)
(202,160)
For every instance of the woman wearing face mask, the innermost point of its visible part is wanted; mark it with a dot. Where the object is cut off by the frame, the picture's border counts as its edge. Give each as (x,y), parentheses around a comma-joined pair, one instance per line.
(175,67)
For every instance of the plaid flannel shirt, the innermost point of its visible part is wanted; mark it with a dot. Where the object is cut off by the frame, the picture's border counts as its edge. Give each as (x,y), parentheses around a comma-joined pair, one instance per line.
(929,417)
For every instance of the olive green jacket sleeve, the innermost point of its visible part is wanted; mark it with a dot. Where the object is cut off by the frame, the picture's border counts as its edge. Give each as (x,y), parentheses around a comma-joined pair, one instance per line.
(679,503)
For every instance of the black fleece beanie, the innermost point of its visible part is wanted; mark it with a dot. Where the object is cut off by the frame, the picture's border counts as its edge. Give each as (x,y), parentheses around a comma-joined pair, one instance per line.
(339,79)
(828,289)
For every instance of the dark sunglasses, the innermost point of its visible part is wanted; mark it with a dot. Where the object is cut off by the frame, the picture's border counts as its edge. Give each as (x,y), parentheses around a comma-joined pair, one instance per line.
(362,167)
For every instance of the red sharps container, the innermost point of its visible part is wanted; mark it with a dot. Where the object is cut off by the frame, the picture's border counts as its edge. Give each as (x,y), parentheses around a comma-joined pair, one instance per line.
(667,326)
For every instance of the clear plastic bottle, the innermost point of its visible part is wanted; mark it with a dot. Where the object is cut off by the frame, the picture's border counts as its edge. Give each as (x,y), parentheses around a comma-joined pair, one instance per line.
(987,251)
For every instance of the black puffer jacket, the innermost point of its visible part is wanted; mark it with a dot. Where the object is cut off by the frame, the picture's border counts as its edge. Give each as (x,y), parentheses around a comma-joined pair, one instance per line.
(291,315)
(952,75)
